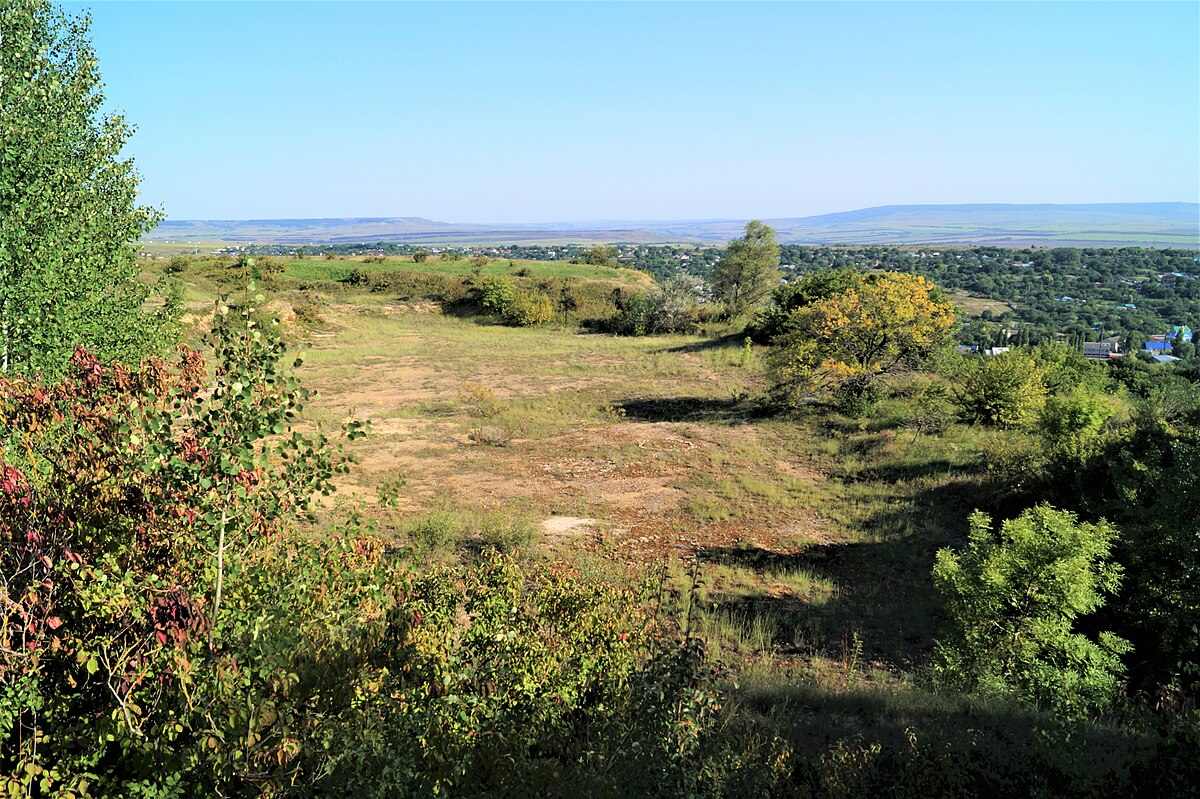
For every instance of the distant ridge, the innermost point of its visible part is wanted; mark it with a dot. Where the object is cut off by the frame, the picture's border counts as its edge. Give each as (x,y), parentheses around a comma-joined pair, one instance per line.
(1079,225)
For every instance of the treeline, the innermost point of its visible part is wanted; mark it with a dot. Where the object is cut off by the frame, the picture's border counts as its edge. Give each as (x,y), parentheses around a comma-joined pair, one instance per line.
(1079,293)
(1065,294)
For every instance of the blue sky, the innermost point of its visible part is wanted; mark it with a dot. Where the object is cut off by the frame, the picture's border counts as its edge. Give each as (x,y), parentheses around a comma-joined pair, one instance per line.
(499,112)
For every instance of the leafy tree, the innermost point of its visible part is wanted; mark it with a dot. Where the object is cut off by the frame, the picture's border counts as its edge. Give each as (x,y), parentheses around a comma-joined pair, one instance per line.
(1014,598)
(68,204)
(772,322)
(748,270)
(1003,390)
(1070,423)
(420,256)
(601,255)
(849,341)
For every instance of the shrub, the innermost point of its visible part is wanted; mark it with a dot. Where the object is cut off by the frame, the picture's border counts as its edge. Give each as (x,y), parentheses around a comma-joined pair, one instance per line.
(495,294)
(439,529)
(514,306)
(1014,598)
(529,309)
(507,532)
(481,401)
(166,631)
(308,313)
(1003,390)
(135,507)
(674,308)
(1070,425)
(360,277)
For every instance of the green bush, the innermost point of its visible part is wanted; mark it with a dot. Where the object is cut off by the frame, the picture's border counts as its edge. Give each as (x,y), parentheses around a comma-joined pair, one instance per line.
(507,532)
(495,294)
(1070,424)
(673,308)
(439,529)
(1003,390)
(514,306)
(1014,598)
(529,309)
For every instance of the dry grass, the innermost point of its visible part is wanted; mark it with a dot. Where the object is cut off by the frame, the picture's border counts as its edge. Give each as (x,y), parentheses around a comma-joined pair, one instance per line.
(813,538)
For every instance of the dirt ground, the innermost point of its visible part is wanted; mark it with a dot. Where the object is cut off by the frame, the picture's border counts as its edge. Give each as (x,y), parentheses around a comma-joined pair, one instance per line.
(630,484)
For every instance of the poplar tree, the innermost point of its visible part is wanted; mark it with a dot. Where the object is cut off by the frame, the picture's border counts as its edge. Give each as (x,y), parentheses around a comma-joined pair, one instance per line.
(69,216)
(748,270)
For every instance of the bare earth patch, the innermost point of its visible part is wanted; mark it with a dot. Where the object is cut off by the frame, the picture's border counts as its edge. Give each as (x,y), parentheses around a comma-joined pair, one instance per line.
(618,487)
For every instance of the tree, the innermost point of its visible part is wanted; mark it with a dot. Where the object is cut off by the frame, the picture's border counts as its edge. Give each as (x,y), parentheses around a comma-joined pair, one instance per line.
(1070,423)
(748,270)
(1005,390)
(849,341)
(1014,597)
(68,204)
(601,255)
(779,318)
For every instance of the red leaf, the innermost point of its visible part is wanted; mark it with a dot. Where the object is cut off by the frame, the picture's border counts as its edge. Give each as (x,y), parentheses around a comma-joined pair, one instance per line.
(54,622)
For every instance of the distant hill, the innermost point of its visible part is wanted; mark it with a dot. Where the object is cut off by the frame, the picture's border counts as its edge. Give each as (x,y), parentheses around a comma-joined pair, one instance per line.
(1092,225)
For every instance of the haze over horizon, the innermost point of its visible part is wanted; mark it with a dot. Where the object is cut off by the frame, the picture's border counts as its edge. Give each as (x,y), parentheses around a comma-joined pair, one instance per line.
(525,113)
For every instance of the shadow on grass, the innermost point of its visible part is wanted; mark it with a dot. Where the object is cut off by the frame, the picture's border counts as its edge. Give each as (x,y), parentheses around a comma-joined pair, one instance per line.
(937,744)
(721,342)
(906,471)
(887,605)
(689,409)
(884,588)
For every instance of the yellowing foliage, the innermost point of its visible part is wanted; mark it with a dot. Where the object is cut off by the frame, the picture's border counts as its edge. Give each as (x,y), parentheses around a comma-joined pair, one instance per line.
(888,321)
(891,318)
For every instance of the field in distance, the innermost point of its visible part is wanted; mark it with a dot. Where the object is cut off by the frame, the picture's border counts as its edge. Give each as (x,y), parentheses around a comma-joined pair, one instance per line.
(1002,225)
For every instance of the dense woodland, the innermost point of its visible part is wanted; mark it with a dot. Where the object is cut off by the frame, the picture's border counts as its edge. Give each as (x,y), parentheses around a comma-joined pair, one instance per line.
(895,569)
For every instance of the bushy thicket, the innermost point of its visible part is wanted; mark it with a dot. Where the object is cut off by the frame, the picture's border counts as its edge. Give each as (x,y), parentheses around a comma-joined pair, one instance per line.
(675,307)
(165,630)
(1116,444)
(409,285)
(511,304)
(1014,596)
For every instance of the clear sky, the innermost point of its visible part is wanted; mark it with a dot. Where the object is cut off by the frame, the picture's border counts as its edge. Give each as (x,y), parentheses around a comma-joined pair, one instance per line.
(499,112)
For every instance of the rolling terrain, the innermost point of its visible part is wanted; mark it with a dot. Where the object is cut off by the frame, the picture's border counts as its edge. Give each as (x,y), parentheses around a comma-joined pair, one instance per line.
(1093,225)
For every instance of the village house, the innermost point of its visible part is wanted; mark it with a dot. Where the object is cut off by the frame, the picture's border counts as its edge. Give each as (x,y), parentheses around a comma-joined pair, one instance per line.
(1103,350)
(1158,345)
